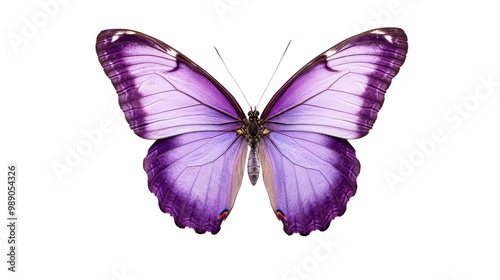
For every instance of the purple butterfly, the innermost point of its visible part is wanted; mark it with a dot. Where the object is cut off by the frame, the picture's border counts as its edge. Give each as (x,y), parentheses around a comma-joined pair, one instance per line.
(195,167)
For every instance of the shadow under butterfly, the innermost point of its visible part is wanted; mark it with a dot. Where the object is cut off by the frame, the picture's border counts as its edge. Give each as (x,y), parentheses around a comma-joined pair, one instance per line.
(196,165)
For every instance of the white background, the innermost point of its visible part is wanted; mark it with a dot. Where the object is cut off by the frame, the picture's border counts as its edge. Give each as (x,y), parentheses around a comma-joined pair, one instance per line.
(438,218)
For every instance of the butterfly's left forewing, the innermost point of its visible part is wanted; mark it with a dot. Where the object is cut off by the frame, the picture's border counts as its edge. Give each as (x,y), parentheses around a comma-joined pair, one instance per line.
(161,91)
(195,167)
(309,168)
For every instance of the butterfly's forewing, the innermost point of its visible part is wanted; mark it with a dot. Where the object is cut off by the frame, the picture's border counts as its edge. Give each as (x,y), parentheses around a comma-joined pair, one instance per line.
(340,92)
(161,91)
(309,173)
(195,167)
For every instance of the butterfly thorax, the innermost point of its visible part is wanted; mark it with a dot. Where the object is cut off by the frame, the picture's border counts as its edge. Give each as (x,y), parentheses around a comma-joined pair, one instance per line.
(252,128)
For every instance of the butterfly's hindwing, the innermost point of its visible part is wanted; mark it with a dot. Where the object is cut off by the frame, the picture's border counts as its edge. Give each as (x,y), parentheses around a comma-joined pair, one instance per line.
(309,178)
(196,176)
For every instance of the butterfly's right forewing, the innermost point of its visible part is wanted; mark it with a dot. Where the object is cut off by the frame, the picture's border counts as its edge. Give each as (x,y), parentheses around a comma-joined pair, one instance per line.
(341,91)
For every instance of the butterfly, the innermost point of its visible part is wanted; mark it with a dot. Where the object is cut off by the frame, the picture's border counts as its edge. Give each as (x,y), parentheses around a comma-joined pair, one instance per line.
(196,165)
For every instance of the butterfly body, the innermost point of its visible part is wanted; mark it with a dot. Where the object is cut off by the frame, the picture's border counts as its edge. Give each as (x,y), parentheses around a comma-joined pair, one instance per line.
(195,166)
(253,130)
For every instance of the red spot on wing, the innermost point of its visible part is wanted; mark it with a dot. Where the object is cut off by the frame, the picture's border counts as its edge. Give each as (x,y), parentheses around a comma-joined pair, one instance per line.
(280,215)
(223,215)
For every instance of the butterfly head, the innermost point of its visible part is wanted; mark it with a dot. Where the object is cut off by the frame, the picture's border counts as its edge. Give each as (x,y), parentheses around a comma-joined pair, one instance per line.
(253,114)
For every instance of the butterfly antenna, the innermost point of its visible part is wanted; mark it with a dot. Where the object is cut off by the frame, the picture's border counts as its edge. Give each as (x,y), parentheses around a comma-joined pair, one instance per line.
(232,76)
(274,72)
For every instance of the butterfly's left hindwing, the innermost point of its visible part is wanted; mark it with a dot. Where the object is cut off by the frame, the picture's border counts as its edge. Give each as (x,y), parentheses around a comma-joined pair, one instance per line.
(309,168)
(195,167)
(196,176)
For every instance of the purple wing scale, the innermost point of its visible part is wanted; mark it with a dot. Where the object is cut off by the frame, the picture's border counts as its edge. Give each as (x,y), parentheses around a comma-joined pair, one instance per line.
(195,168)
(309,173)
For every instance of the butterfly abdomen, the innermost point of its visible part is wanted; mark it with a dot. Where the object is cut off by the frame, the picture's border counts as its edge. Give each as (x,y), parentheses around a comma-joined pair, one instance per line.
(253,165)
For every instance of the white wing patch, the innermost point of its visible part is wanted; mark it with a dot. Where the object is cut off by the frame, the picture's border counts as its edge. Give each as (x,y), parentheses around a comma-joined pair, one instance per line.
(119,33)
(171,52)
(330,52)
